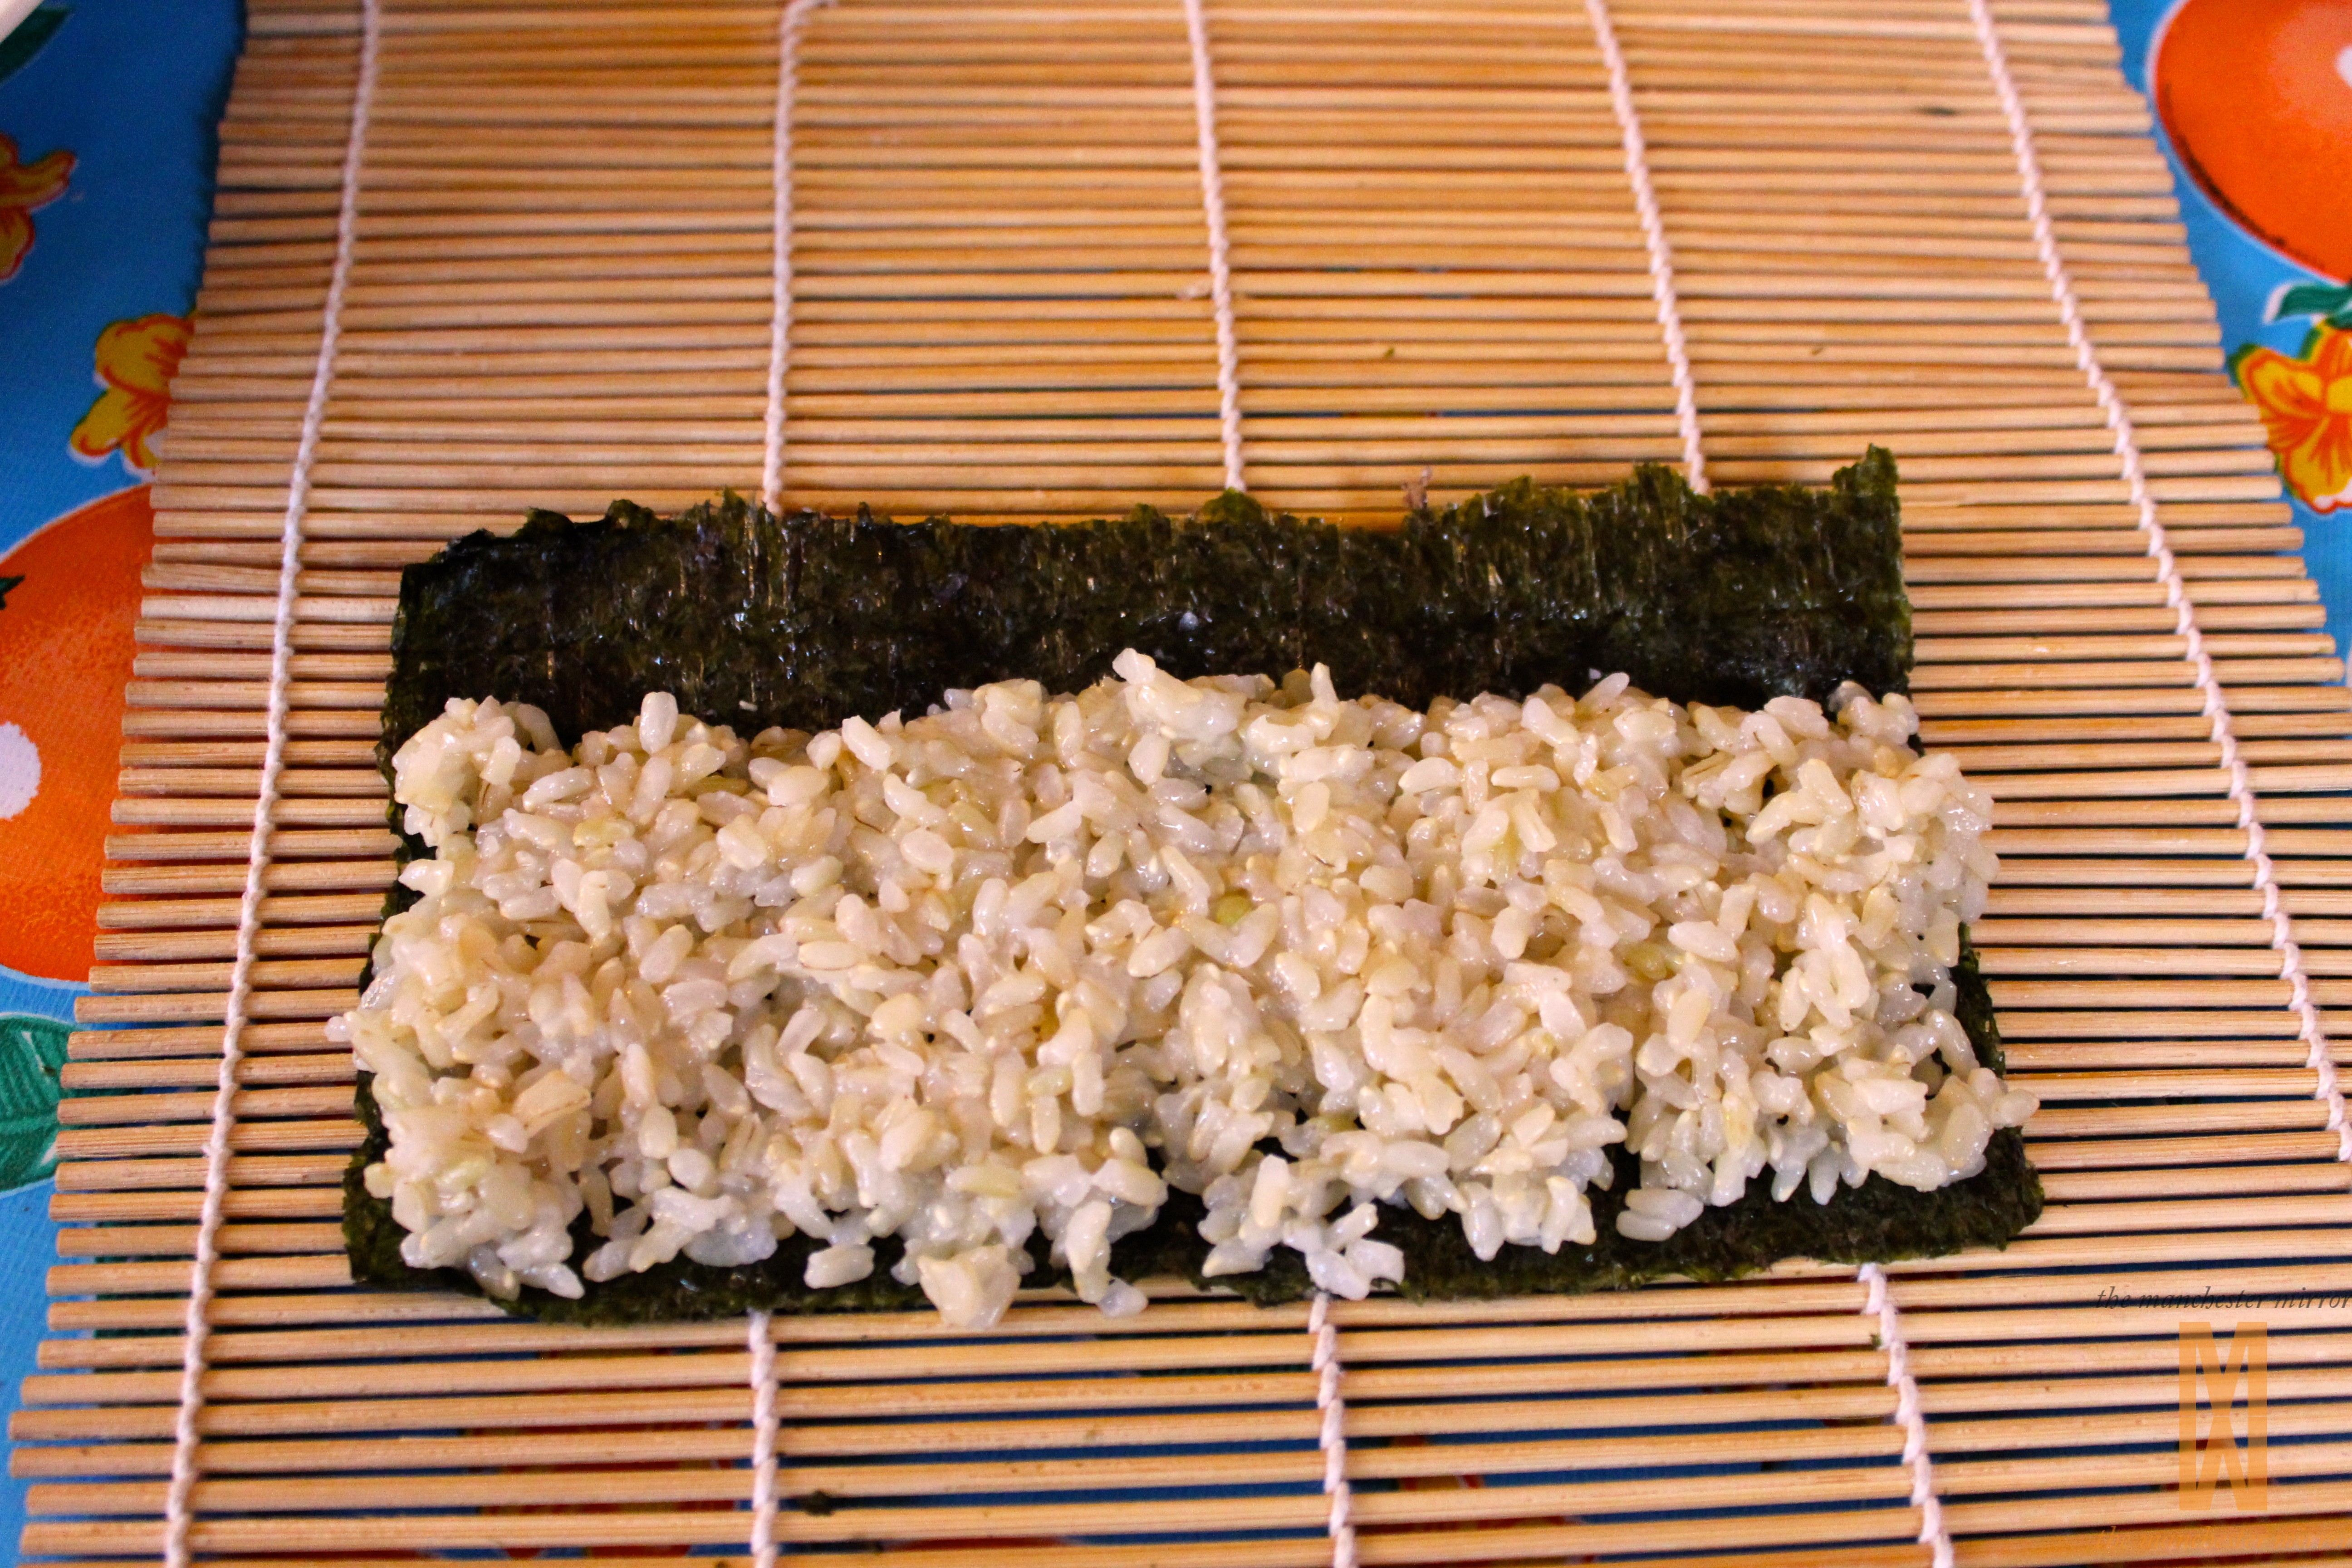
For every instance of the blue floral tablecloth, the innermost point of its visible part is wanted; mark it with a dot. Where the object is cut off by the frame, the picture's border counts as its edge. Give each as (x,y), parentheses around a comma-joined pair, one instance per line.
(107,110)
(107,116)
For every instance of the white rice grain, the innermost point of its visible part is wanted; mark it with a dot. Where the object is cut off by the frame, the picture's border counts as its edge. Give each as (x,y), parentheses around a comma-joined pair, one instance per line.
(1022,964)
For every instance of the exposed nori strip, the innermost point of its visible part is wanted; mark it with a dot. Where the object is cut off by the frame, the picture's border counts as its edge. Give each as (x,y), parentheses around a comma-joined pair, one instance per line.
(753,619)
(803,620)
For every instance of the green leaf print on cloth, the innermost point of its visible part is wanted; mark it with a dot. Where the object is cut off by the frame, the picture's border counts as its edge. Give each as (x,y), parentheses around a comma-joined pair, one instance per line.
(32,1049)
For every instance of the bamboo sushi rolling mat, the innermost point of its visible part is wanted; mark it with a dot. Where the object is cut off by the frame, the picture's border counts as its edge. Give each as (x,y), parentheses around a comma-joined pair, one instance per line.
(538,266)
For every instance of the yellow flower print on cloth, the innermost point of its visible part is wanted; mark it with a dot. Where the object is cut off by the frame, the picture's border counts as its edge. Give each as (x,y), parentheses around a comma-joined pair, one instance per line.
(136,359)
(2306,404)
(23,187)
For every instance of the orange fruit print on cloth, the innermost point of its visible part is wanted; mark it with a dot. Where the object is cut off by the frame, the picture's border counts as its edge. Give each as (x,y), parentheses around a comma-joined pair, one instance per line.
(65,653)
(2257,98)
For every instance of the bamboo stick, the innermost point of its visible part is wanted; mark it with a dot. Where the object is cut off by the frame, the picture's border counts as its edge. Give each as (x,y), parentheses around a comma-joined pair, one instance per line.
(335,1067)
(259,1038)
(339,1535)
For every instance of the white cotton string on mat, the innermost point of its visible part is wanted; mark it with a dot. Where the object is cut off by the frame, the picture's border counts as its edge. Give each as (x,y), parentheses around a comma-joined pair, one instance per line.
(1333,1435)
(1654,235)
(1878,1303)
(177,1513)
(759,1327)
(763,1344)
(1221,270)
(2176,594)
(788,28)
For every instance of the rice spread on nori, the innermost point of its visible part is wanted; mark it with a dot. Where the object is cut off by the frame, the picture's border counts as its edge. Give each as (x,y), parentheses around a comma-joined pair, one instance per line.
(1733,598)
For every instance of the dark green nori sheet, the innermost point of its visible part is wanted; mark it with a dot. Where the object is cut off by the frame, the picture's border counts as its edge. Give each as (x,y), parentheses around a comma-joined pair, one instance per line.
(801,620)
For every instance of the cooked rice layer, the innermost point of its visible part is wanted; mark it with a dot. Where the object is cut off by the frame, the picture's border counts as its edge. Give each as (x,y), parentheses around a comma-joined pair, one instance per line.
(1025,962)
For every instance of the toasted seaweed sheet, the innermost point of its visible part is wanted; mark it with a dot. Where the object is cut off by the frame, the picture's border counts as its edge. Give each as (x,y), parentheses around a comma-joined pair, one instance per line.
(800,620)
